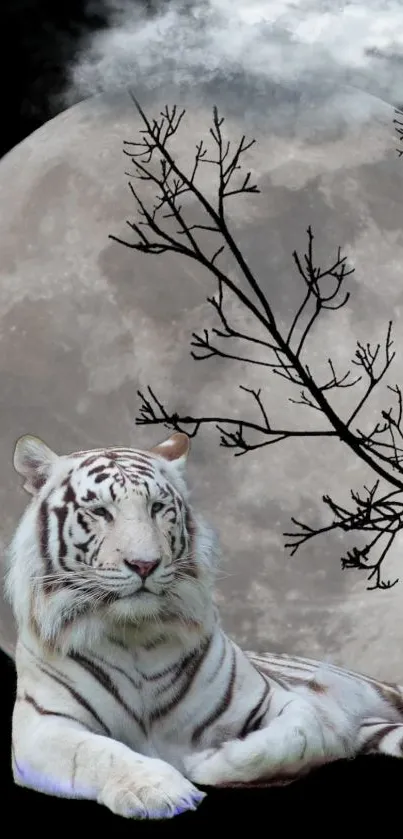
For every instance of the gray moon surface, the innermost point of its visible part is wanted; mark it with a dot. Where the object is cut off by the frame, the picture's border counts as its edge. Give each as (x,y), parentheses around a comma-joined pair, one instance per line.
(85,322)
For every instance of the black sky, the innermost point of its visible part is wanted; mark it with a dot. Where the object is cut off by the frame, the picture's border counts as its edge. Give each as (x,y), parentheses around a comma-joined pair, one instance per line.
(38,41)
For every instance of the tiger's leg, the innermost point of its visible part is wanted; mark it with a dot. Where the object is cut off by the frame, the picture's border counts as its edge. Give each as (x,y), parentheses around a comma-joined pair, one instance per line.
(295,741)
(62,757)
(380,737)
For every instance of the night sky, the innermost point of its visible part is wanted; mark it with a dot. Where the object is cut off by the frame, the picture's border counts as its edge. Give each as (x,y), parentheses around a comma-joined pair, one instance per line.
(39,40)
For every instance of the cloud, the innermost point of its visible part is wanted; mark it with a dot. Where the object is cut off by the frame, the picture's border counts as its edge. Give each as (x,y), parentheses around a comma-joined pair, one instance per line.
(280,41)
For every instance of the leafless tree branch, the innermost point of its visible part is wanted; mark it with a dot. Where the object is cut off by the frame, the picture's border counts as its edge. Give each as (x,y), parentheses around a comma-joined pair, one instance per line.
(398,123)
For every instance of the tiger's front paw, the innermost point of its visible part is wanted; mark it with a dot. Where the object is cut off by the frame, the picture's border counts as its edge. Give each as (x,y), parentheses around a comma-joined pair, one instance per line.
(232,764)
(211,767)
(152,791)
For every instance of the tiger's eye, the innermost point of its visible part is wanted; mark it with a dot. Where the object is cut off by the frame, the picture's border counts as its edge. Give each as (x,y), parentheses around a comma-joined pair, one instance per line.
(102,513)
(156,507)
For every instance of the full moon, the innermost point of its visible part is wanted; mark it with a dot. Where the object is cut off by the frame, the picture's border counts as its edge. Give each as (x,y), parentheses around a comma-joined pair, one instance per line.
(86,323)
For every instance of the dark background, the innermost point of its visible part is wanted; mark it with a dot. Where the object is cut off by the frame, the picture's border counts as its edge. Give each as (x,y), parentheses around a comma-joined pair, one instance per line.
(38,40)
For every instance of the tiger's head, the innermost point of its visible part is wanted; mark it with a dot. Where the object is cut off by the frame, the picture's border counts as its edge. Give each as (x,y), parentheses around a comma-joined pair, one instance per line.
(108,539)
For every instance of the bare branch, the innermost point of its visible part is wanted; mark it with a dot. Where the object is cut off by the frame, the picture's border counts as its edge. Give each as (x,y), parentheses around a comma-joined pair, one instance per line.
(380,516)
(399,129)
(153,412)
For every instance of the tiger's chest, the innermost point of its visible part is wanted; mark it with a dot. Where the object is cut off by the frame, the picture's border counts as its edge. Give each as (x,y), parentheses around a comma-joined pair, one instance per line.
(151,703)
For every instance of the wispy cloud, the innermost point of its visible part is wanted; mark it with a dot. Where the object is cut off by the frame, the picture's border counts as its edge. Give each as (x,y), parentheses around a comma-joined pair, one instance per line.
(283,41)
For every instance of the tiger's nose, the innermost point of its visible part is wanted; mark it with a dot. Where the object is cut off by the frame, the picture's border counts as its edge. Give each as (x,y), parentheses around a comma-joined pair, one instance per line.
(142,567)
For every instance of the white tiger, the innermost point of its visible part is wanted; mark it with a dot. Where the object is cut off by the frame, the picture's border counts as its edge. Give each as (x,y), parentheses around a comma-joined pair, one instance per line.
(129,692)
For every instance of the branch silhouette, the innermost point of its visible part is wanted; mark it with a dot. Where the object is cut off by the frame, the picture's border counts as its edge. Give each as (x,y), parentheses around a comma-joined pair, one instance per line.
(162,226)
(398,123)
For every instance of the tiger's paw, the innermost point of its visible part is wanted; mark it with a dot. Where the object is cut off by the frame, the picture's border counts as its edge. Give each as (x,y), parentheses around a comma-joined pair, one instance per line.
(210,768)
(154,792)
(230,764)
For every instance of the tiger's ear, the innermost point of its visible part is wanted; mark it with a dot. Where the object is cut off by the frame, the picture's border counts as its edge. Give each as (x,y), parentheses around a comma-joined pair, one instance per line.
(175,449)
(34,460)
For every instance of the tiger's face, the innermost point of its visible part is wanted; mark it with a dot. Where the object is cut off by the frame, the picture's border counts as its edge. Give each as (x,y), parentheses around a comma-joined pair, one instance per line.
(113,530)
